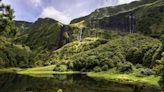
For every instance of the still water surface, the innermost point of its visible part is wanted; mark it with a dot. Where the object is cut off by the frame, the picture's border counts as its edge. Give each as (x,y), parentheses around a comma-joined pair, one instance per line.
(65,83)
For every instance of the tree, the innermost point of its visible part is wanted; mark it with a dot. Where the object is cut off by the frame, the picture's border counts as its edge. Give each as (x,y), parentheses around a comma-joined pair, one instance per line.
(6,20)
(162,78)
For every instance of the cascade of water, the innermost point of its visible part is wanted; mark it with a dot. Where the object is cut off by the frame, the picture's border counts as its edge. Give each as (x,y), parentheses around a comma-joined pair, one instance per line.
(81,33)
(131,23)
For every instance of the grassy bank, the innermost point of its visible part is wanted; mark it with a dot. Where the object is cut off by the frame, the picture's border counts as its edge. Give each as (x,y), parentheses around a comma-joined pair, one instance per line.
(10,70)
(36,71)
(28,70)
(109,75)
(126,78)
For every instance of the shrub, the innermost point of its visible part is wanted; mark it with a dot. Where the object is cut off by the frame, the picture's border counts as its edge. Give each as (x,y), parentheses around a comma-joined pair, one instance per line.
(97,69)
(161,82)
(70,65)
(111,63)
(147,71)
(139,66)
(124,67)
(105,68)
(60,68)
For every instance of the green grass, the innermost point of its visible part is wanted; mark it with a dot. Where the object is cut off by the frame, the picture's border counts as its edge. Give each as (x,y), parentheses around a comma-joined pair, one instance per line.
(133,78)
(37,70)
(8,70)
(44,68)
(130,78)
(45,71)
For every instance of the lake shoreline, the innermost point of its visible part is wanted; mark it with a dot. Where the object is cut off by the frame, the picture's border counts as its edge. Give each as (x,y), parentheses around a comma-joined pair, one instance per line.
(120,78)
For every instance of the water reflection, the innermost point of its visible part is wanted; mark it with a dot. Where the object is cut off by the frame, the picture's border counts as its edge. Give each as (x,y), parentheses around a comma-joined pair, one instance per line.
(65,83)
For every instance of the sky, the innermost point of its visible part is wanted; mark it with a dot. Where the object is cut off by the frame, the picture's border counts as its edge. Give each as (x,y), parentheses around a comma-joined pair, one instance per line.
(61,10)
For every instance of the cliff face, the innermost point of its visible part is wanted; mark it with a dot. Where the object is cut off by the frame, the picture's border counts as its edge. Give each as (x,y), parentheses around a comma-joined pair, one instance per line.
(109,11)
(143,16)
(124,22)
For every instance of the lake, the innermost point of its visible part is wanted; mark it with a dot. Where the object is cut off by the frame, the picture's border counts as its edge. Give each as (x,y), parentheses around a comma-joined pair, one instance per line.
(10,82)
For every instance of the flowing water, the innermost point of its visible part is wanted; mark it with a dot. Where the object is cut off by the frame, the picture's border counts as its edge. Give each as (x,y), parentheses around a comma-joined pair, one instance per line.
(10,82)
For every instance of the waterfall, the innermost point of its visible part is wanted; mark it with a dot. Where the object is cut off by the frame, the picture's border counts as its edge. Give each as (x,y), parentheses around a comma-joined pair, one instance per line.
(81,33)
(131,23)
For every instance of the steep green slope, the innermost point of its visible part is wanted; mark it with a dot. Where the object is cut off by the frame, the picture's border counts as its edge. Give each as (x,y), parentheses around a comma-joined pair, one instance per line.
(22,25)
(148,17)
(122,53)
(110,11)
(46,34)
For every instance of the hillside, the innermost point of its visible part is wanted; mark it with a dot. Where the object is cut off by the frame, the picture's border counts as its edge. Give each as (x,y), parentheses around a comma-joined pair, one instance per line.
(109,11)
(50,41)
(124,54)
(123,43)
(147,18)
(46,34)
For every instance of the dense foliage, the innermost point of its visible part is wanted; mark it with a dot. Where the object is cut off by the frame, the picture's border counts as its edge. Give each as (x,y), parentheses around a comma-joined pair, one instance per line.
(161,82)
(11,54)
(6,21)
(148,14)
(97,42)
(122,53)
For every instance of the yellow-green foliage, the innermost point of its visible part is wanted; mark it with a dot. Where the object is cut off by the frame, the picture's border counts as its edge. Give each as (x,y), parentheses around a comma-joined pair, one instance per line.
(80,24)
(126,77)
(120,52)
(76,47)
(162,79)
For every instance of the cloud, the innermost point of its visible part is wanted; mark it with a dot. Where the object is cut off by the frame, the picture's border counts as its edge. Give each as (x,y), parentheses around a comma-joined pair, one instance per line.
(51,12)
(61,10)
(109,2)
(36,3)
(125,1)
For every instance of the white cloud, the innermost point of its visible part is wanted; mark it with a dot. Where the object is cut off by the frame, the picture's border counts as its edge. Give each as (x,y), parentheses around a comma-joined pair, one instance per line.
(36,3)
(125,1)
(84,13)
(51,12)
(109,2)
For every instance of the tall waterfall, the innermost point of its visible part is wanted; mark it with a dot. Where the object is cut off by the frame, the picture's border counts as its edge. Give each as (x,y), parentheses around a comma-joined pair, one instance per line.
(81,34)
(131,23)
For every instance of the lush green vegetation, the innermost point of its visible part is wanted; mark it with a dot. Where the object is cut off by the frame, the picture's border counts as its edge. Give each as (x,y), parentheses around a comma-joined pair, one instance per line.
(11,54)
(89,44)
(161,82)
(109,11)
(130,78)
(123,53)
(148,15)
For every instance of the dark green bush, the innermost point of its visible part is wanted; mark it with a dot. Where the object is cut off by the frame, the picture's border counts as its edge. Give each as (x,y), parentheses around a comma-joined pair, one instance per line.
(97,69)
(147,72)
(105,67)
(139,66)
(60,68)
(124,67)
(161,82)
(70,65)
